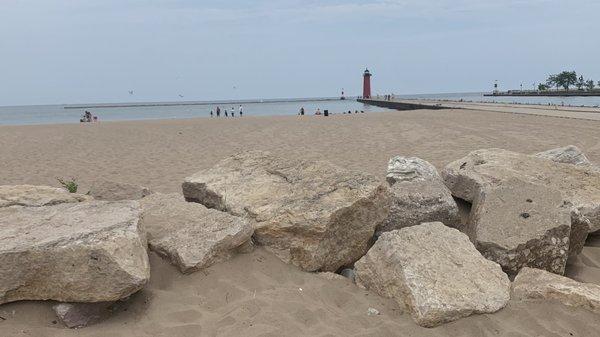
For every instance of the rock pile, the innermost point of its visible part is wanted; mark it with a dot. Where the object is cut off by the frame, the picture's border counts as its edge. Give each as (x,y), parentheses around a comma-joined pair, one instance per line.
(315,215)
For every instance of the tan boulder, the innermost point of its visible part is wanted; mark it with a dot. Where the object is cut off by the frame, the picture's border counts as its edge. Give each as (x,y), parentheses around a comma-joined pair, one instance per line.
(79,315)
(519,224)
(570,154)
(190,235)
(533,283)
(36,196)
(435,271)
(73,252)
(418,195)
(315,215)
(116,191)
(579,186)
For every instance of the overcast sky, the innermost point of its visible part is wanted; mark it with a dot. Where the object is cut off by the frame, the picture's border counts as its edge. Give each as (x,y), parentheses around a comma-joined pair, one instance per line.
(67,51)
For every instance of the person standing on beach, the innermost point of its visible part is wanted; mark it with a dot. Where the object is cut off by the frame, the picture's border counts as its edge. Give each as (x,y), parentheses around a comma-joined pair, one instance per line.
(211,114)
(225,112)
(302,111)
(232,112)
(218,112)
(241,111)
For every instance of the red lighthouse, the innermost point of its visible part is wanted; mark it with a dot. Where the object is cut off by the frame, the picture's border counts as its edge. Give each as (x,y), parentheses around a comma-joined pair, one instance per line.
(367,84)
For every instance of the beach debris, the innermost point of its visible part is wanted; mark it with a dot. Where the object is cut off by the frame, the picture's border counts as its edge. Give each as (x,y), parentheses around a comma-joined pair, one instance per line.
(36,196)
(372,312)
(570,154)
(520,224)
(114,191)
(190,235)
(79,315)
(312,214)
(409,169)
(72,252)
(435,271)
(579,186)
(418,195)
(533,283)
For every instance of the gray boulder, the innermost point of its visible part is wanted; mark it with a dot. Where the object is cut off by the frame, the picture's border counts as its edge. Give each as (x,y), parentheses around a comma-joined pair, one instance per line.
(36,196)
(72,252)
(115,191)
(539,284)
(315,215)
(418,195)
(519,224)
(435,271)
(190,235)
(570,154)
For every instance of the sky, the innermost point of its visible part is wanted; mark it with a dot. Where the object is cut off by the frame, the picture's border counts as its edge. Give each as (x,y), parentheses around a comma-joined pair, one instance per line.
(86,51)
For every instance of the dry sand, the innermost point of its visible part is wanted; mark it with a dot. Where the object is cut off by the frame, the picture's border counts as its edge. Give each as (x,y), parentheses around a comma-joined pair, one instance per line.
(256,294)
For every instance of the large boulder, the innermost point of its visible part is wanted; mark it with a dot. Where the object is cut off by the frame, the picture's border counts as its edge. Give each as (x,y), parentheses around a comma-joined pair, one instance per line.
(518,224)
(418,195)
(190,235)
(570,154)
(315,215)
(72,252)
(579,186)
(116,191)
(436,271)
(36,196)
(539,284)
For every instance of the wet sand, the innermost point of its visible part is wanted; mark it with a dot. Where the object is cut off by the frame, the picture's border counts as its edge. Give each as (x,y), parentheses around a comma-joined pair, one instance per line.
(255,294)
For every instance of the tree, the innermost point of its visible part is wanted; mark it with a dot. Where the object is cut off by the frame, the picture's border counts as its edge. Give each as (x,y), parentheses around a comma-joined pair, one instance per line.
(542,87)
(552,81)
(580,83)
(566,79)
(589,84)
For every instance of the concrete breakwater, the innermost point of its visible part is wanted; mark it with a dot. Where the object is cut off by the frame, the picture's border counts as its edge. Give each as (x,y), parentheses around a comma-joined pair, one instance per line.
(401,105)
(574,93)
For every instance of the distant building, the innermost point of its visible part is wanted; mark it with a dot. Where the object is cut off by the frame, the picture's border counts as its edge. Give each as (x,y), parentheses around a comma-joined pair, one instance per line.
(367,84)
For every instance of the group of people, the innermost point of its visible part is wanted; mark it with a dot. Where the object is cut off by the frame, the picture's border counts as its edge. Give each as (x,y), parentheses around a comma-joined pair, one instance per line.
(227,113)
(88,117)
(319,113)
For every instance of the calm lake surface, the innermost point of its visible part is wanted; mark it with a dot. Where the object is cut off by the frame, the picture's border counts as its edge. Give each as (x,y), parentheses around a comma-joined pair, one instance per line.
(53,114)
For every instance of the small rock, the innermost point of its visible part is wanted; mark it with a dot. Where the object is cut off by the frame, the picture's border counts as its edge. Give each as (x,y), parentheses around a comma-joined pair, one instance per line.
(409,169)
(349,273)
(372,312)
(78,315)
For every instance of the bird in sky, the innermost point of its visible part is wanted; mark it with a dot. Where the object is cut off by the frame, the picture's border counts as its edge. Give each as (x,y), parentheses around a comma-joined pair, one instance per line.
(131,92)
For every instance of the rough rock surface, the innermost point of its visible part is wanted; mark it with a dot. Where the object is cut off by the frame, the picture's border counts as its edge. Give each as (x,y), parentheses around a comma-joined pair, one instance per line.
(539,284)
(580,186)
(73,252)
(418,195)
(409,169)
(78,315)
(570,154)
(115,191)
(190,235)
(518,224)
(313,214)
(36,196)
(436,271)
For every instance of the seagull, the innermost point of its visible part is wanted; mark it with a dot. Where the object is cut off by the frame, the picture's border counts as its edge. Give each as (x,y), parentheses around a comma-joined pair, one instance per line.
(131,92)
(180,95)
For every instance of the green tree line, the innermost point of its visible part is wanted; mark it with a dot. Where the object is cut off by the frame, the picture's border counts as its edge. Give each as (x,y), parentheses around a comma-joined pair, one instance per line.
(566,80)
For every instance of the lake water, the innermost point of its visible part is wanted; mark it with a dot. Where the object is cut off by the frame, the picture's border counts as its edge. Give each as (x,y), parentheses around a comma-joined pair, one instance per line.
(52,114)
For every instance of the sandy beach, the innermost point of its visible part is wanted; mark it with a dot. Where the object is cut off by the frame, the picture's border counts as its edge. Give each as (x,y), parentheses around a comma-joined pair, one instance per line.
(256,294)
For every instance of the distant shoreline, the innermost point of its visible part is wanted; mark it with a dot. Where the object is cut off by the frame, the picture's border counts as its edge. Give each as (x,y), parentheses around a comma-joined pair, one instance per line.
(595,93)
